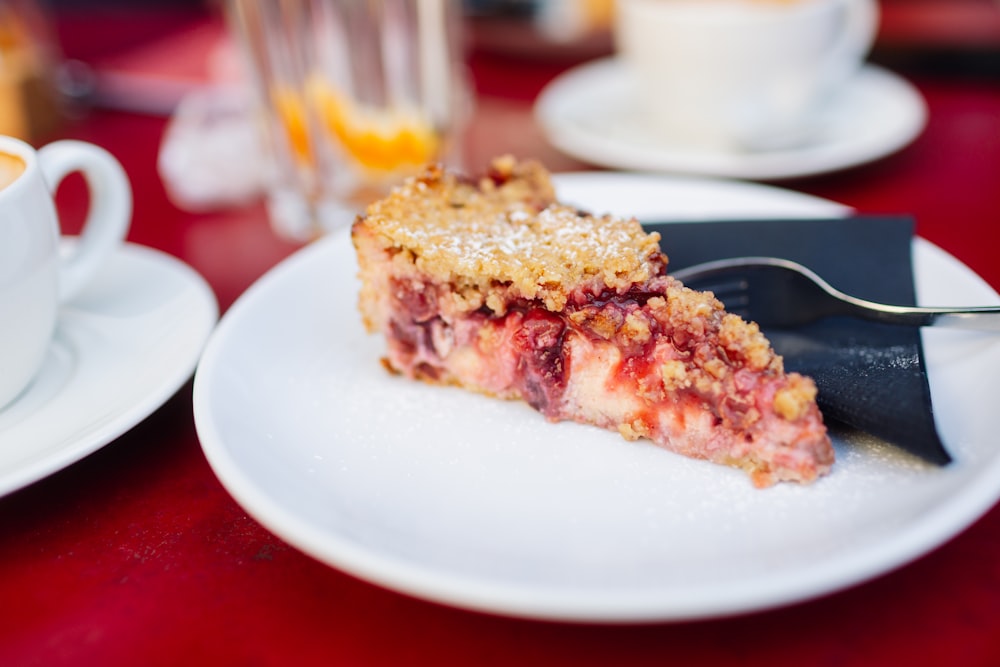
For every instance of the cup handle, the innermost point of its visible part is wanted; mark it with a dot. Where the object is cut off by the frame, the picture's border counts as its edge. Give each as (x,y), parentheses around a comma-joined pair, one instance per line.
(110,211)
(855,42)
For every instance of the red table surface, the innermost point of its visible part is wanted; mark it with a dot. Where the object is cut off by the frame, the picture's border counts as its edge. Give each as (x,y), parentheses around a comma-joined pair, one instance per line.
(137,556)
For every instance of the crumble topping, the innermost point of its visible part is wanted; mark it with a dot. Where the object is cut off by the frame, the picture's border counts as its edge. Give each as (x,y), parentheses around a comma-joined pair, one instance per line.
(507,232)
(794,400)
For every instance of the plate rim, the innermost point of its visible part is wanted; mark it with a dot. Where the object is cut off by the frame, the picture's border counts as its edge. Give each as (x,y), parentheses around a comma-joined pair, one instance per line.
(470,593)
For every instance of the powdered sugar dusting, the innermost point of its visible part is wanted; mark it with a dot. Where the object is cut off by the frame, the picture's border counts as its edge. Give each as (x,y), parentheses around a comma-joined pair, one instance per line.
(511,231)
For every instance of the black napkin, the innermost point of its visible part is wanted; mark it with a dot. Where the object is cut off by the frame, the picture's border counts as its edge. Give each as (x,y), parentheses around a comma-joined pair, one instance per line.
(870,376)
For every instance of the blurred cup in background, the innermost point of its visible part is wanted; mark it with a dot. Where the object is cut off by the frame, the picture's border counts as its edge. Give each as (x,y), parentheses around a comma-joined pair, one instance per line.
(354,95)
(741,75)
(30,105)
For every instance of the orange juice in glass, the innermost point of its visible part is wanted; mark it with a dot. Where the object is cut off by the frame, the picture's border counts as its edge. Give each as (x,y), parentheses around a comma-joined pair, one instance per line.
(354,94)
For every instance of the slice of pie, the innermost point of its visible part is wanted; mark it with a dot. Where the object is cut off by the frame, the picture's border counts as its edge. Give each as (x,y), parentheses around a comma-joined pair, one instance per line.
(494,286)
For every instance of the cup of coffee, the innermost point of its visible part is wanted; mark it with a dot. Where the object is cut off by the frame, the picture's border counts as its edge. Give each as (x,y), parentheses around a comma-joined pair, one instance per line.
(741,75)
(35,277)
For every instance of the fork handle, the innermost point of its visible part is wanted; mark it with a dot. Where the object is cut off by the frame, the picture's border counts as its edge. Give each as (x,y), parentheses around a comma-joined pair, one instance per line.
(985,318)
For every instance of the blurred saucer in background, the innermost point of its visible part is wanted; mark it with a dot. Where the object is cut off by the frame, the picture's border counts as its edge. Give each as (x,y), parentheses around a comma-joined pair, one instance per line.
(589,112)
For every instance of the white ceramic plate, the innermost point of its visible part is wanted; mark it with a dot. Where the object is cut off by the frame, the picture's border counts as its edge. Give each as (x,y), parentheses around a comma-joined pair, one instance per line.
(122,347)
(482,504)
(590,113)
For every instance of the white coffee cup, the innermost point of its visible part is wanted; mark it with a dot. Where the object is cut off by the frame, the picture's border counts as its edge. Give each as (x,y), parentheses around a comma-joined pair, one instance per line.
(34,277)
(738,75)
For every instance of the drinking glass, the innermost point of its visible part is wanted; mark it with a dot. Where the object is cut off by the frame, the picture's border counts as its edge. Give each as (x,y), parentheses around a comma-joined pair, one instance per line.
(353,96)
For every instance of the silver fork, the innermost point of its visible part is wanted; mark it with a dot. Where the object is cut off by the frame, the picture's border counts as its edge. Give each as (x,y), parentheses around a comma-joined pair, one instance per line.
(781,293)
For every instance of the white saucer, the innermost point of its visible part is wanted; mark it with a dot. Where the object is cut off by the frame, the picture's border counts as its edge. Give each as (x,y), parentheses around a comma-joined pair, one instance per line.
(122,347)
(483,504)
(589,112)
